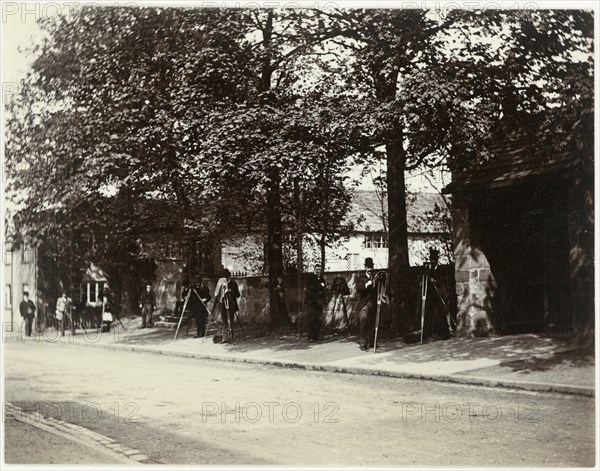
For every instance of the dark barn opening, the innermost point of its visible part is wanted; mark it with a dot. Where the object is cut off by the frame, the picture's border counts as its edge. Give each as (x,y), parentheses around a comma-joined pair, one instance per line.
(524,242)
(524,234)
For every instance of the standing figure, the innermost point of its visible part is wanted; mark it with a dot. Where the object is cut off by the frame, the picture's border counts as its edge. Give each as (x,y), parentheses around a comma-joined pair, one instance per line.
(227,294)
(282,311)
(147,305)
(367,304)
(106,291)
(64,307)
(314,299)
(107,316)
(27,310)
(185,288)
(201,296)
(437,318)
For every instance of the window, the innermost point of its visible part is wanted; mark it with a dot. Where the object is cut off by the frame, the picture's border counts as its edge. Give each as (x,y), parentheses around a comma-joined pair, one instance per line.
(8,252)
(28,253)
(353,261)
(375,241)
(92,292)
(8,297)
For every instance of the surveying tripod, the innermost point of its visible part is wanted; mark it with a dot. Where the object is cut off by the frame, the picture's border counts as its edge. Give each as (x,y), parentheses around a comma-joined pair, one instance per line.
(381,285)
(185,303)
(341,289)
(427,279)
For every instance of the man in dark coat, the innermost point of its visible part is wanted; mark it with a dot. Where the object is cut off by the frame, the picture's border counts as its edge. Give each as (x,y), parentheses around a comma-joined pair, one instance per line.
(27,310)
(226,294)
(437,322)
(367,304)
(199,296)
(147,305)
(314,300)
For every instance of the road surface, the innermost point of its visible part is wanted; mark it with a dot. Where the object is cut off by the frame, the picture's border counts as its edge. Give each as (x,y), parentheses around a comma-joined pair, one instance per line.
(189,411)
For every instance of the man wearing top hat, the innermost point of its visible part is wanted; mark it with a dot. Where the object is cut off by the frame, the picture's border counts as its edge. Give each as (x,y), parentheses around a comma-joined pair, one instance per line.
(367,304)
(147,305)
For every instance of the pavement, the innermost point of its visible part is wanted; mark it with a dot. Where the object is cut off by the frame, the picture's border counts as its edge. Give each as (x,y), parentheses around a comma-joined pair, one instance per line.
(65,443)
(529,362)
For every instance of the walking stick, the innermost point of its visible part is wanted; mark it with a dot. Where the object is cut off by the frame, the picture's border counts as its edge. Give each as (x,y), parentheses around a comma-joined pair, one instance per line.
(187,298)
(229,317)
(424,279)
(381,280)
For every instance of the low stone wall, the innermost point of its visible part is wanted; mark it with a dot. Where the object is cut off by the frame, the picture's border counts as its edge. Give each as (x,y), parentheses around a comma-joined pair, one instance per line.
(254,300)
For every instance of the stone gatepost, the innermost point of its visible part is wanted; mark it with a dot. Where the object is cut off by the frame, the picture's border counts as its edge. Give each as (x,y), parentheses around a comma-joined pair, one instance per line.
(475,284)
(581,255)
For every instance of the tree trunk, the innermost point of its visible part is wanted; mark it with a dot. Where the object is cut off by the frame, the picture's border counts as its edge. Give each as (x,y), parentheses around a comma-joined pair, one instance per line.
(323,245)
(398,235)
(300,266)
(277,315)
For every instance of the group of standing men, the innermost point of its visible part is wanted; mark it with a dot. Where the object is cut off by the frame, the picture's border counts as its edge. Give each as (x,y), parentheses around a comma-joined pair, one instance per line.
(366,289)
(194,301)
(63,312)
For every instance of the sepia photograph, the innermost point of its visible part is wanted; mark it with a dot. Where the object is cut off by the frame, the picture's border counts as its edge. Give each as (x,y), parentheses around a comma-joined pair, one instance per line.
(304,235)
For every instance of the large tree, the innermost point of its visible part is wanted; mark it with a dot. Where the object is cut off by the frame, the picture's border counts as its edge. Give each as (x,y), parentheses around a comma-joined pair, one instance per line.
(282,136)
(209,108)
(111,115)
(191,106)
(440,89)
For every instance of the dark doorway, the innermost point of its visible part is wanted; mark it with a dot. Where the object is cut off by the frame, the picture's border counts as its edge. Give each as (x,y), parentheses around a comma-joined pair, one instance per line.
(524,233)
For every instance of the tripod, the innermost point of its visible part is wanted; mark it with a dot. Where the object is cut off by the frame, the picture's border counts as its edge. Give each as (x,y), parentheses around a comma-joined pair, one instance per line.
(185,303)
(426,278)
(231,316)
(381,283)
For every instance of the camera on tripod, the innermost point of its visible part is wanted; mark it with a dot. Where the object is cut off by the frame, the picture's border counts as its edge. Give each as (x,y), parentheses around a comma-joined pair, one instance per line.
(428,281)
(433,262)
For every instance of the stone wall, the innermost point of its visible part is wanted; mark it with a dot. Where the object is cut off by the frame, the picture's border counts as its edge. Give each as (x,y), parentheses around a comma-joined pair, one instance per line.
(475,284)
(254,300)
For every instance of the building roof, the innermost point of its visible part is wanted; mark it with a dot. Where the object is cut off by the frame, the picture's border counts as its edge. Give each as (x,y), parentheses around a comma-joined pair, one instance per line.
(513,163)
(369,212)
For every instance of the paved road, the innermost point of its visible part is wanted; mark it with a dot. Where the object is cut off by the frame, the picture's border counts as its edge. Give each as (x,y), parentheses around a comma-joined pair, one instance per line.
(26,444)
(186,411)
